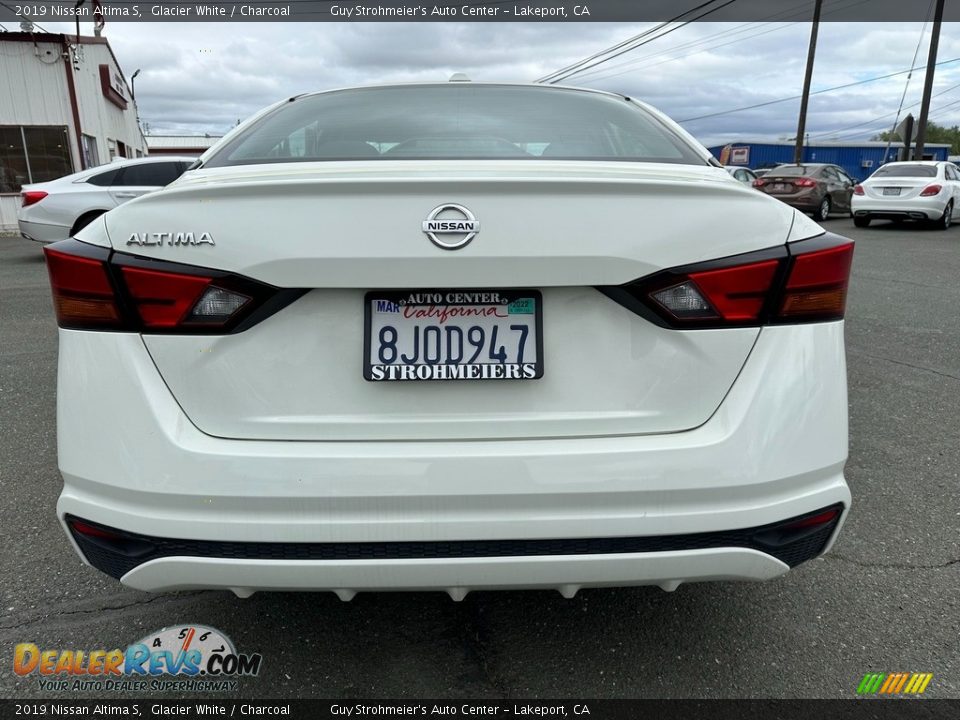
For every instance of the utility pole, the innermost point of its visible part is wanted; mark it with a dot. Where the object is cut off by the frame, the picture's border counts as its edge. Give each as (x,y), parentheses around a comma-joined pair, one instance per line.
(928,81)
(811,52)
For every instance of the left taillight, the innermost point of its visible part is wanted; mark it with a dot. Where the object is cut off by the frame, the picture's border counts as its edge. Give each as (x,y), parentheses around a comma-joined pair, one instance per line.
(802,282)
(31,197)
(83,294)
(94,288)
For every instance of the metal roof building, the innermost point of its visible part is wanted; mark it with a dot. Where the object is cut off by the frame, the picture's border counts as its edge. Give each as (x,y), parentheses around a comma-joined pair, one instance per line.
(858,159)
(180,144)
(65,105)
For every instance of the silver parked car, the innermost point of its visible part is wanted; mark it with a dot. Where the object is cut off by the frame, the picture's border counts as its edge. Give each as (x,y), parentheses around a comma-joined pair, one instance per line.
(58,209)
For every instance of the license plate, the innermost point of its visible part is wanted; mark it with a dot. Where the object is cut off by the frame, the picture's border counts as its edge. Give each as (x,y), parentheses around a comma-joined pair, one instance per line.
(891,191)
(453,335)
(779,187)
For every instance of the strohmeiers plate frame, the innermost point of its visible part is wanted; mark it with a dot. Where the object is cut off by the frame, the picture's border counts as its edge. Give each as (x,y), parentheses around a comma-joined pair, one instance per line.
(397,295)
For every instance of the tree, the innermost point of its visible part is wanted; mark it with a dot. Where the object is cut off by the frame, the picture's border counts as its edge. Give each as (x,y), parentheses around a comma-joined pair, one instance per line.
(935,134)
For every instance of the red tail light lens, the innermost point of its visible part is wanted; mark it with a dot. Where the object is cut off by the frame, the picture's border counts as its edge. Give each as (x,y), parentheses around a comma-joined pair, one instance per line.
(805,182)
(759,182)
(32,197)
(803,282)
(83,296)
(94,288)
(737,293)
(817,284)
(931,190)
(858,189)
(163,299)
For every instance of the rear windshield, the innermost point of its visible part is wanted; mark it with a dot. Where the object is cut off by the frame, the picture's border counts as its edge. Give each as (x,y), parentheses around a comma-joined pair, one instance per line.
(907,171)
(798,170)
(456,121)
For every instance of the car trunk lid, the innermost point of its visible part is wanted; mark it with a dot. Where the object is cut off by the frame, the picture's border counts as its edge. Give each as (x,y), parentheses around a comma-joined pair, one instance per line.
(342,230)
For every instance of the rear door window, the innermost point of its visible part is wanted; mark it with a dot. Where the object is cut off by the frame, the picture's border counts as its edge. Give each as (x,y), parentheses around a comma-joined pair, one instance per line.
(104,179)
(149,174)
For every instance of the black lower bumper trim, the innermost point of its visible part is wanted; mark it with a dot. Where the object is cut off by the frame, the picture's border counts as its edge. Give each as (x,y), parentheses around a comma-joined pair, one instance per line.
(791,541)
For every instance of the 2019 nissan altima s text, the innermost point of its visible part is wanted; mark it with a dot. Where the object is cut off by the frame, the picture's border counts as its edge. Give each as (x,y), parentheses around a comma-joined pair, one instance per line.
(451,336)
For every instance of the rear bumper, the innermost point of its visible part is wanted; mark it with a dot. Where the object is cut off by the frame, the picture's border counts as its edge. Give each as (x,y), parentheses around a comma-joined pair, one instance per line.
(916,209)
(775,449)
(565,573)
(807,201)
(43,232)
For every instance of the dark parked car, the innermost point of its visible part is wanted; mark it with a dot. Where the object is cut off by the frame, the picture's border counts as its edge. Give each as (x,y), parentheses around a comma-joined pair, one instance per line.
(816,188)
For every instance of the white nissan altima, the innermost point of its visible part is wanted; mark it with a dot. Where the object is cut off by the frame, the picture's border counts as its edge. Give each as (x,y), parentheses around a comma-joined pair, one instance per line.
(451,336)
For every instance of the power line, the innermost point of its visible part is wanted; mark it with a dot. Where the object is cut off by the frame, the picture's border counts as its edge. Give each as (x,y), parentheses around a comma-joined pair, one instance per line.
(645,33)
(782,15)
(817,92)
(663,34)
(630,43)
(739,29)
(906,86)
(873,121)
(594,76)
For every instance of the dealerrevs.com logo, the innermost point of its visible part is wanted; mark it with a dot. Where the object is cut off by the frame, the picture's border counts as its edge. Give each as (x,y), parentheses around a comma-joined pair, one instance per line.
(188,657)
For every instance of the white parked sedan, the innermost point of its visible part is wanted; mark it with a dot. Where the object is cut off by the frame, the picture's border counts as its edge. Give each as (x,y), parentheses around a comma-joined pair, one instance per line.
(744,175)
(451,336)
(915,190)
(58,209)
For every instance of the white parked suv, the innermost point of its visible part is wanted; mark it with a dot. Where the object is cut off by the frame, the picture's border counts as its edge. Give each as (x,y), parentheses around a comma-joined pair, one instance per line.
(58,209)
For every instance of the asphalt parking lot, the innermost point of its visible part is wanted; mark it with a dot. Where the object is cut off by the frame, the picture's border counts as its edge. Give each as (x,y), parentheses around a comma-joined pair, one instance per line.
(886,599)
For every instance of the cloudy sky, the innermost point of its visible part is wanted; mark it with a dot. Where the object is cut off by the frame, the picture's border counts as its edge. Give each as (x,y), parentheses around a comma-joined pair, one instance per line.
(202,77)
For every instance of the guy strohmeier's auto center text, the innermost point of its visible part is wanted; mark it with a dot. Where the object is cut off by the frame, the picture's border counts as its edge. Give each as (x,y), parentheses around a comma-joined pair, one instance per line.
(349,12)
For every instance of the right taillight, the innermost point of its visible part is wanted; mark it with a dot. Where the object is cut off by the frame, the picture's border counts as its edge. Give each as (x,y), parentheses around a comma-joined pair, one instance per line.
(801,282)
(95,288)
(931,190)
(816,286)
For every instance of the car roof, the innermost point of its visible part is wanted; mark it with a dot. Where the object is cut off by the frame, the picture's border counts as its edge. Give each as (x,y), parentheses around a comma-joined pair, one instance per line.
(461,84)
(83,175)
(147,159)
(806,165)
(916,162)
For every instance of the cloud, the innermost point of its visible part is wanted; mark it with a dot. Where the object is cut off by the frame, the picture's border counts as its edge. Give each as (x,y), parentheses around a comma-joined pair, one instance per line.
(203,77)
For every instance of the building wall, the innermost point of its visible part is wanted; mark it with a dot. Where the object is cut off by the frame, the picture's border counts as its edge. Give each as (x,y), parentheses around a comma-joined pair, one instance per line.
(34,91)
(858,161)
(33,86)
(98,112)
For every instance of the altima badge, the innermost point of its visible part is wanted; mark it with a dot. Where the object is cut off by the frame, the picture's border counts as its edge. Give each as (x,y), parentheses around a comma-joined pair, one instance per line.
(170,238)
(454,223)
